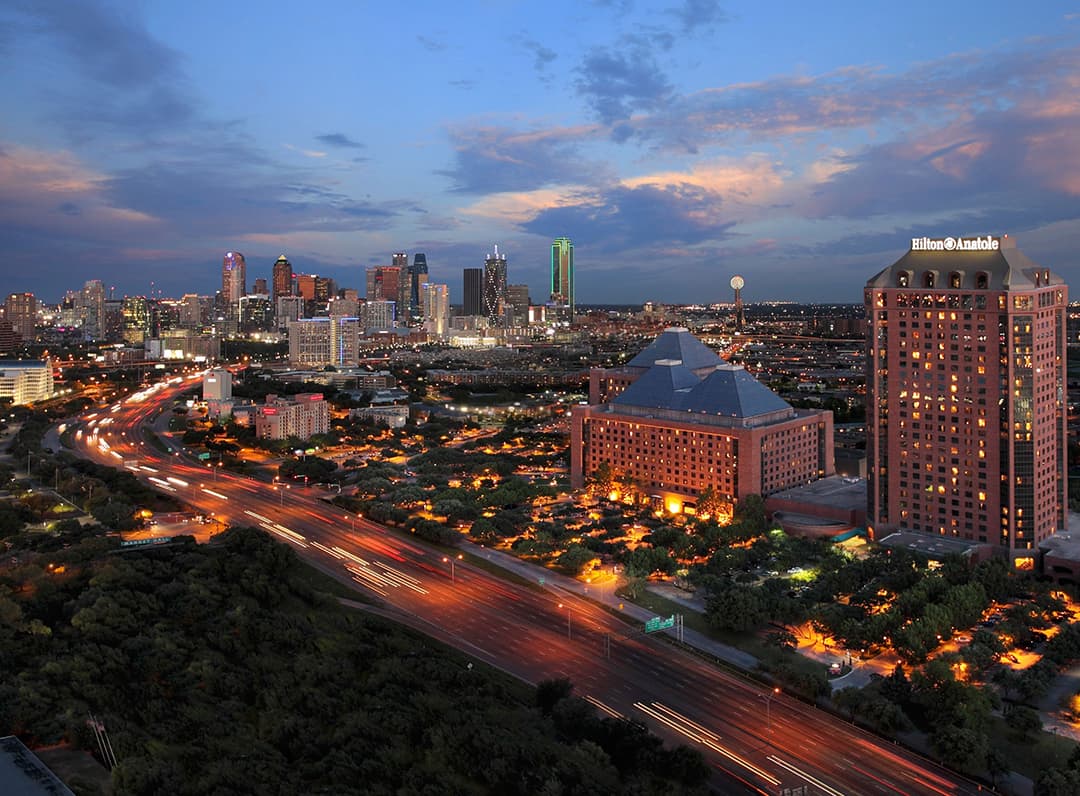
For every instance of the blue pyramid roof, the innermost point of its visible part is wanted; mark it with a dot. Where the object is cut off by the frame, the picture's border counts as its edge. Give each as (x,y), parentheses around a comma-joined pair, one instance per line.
(677,343)
(731,391)
(663,386)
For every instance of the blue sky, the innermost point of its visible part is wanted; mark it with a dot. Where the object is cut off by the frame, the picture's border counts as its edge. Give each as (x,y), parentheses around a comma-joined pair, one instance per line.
(800,145)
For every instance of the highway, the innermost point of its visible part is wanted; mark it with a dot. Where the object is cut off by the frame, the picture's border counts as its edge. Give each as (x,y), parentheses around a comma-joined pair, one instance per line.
(758,741)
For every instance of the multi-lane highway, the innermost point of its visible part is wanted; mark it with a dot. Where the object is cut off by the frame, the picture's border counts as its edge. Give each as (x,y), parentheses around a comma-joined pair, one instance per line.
(760,741)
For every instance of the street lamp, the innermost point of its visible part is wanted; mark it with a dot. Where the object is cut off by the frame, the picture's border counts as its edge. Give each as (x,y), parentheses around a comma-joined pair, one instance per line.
(567,607)
(768,697)
(453,579)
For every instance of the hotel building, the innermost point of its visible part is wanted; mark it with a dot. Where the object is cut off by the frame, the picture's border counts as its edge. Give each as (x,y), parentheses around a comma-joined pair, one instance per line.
(678,425)
(301,416)
(966,403)
(317,342)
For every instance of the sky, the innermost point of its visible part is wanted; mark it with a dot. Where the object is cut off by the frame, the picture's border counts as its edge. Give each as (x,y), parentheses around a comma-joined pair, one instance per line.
(677,143)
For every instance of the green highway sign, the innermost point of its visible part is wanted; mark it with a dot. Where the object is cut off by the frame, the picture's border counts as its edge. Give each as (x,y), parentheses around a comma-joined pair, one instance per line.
(659,623)
(204,456)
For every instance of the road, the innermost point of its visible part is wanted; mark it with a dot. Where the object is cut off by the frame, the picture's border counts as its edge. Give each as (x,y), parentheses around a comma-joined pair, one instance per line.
(757,741)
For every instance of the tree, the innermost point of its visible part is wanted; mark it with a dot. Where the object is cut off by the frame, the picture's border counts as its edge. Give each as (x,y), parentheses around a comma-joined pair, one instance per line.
(750,512)
(997,766)
(1024,721)
(550,692)
(958,746)
(709,503)
(738,608)
(602,480)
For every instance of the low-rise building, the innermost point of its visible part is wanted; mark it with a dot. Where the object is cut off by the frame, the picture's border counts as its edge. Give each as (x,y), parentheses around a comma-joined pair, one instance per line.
(301,416)
(26,380)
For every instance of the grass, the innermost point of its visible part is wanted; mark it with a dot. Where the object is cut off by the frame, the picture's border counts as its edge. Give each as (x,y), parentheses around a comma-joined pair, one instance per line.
(1045,750)
(321,581)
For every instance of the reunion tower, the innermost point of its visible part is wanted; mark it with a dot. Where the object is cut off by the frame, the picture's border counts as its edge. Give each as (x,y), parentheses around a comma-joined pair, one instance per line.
(737,283)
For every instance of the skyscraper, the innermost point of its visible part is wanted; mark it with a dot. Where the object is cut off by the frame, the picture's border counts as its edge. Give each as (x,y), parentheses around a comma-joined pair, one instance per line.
(21,310)
(387,283)
(233,279)
(281,278)
(473,291)
(418,274)
(400,261)
(966,405)
(435,307)
(93,303)
(494,285)
(562,278)
(517,297)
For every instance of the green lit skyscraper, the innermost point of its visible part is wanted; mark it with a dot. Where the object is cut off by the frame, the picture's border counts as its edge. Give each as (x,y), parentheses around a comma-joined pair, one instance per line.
(562,278)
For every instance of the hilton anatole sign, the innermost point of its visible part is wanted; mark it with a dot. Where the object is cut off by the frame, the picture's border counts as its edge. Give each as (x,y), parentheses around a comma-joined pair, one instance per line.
(983,244)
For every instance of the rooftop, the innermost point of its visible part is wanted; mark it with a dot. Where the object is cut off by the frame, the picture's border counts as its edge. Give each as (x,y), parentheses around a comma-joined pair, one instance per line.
(23,774)
(932,546)
(1007,268)
(676,343)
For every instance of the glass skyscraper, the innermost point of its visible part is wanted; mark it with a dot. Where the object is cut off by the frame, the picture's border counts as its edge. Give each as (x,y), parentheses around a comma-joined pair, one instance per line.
(562,278)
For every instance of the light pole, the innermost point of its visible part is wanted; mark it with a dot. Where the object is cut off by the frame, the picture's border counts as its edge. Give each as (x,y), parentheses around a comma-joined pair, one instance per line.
(453,579)
(567,607)
(768,697)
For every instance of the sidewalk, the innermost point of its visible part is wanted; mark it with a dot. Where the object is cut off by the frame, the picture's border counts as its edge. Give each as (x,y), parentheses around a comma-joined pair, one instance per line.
(556,582)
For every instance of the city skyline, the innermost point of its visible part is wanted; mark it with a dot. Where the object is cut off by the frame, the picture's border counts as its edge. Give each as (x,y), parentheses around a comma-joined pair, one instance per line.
(676,145)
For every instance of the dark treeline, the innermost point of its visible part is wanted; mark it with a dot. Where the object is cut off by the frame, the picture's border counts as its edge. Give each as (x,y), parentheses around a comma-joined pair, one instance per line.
(219,669)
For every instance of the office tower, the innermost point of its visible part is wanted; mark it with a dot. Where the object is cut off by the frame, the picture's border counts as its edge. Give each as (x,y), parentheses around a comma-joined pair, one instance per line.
(340,305)
(9,340)
(388,283)
(435,307)
(20,310)
(168,314)
(966,405)
(399,260)
(418,275)
(687,422)
(494,285)
(305,286)
(281,278)
(473,292)
(325,289)
(93,303)
(138,317)
(190,311)
(233,279)
(517,297)
(256,313)
(378,314)
(71,313)
(259,288)
(562,278)
(114,319)
(288,308)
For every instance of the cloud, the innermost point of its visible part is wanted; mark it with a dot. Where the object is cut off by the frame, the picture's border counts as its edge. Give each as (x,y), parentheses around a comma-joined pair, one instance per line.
(625,217)
(617,81)
(542,56)
(497,159)
(129,79)
(339,140)
(854,98)
(698,14)
(54,194)
(431,45)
